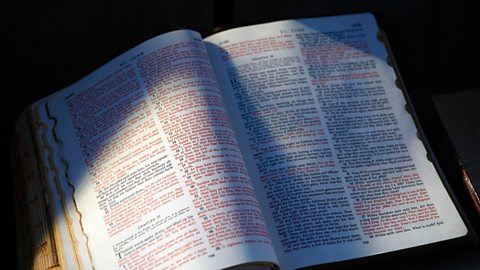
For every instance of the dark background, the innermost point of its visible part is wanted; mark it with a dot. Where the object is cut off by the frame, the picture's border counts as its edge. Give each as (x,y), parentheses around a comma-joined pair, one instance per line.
(47,45)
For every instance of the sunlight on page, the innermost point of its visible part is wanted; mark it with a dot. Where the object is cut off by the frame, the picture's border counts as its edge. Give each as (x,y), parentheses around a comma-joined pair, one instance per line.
(325,130)
(155,171)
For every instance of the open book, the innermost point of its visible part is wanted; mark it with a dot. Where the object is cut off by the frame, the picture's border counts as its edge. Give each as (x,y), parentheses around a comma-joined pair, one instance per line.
(286,144)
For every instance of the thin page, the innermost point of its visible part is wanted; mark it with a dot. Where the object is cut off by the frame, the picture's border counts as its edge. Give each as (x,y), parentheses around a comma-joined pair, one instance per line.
(157,174)
(331,150)
(70,243)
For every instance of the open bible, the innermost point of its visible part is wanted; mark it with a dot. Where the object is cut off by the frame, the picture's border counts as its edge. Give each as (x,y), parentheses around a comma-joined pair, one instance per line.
(279,145)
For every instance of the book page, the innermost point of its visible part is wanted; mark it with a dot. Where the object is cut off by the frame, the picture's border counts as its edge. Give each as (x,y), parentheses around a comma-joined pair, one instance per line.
(35,235)
(157,176)
(331,149)
(70,243)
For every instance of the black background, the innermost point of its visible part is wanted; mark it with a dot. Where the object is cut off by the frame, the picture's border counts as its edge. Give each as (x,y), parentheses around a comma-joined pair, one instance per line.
(47,45)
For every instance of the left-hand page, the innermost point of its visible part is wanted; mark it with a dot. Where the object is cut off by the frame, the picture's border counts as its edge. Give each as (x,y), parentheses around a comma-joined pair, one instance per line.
(156,172)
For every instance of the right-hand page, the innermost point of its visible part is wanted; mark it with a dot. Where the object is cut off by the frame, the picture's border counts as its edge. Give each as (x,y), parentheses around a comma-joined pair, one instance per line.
(330,147)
